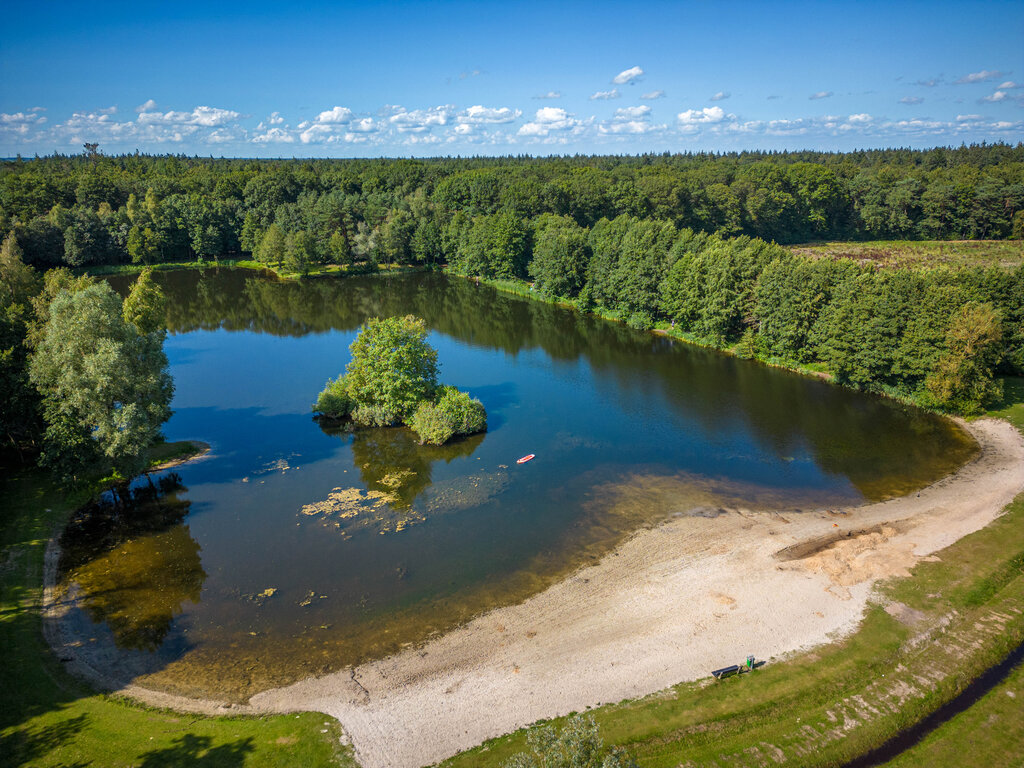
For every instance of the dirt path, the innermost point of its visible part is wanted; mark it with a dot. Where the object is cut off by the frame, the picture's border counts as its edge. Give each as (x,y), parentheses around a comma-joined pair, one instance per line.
(670,604)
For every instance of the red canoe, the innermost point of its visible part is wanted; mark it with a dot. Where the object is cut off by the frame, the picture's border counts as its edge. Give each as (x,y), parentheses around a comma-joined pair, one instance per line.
(525,458)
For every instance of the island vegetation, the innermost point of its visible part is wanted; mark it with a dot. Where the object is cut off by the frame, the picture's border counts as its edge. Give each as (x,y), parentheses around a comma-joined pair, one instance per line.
(392,379)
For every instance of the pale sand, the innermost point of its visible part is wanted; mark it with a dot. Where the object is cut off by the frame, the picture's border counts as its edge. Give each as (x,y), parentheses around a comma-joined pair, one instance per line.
(668,605)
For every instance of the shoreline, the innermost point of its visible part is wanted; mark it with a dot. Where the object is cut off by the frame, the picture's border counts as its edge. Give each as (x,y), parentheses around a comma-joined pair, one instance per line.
(666,606)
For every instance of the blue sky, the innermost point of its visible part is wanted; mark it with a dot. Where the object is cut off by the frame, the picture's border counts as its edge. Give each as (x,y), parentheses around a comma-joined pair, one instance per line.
(459,78)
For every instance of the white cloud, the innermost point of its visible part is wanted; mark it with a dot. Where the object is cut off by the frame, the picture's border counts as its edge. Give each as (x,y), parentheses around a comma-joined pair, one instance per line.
(720,96)
(480,115)
(659,94)
(274,136)
(631,127)
(612,94)
(627,75)
(146,106)
(364,125)
(979,77)
(968,118)
(820,95)
(930,83)
(207,117)
(698,116)
(20,123)
(275,118)
(862,118)
(997,96)
(420,120)
(633,112)
(109,110)
(550,95)
(911,100)
(548,119)
(1009,85)
(335,116)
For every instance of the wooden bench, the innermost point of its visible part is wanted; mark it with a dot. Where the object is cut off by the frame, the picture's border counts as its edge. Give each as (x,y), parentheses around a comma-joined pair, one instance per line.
(718,674)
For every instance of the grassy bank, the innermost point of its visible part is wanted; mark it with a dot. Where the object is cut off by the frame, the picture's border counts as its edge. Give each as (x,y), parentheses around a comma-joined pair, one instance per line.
(48,718)
(322,270)
(921,253)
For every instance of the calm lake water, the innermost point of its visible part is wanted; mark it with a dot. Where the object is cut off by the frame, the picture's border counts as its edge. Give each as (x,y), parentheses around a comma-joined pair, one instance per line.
(293,551)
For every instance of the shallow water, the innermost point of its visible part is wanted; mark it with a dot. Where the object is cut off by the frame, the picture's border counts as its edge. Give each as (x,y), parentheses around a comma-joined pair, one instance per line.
(293,550)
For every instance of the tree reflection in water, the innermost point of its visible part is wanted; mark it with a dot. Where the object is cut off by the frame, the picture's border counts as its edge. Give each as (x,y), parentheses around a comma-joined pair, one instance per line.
(134,560)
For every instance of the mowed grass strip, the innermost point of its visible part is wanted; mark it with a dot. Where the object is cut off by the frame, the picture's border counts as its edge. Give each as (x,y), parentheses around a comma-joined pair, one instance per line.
(921,253)
(48,718)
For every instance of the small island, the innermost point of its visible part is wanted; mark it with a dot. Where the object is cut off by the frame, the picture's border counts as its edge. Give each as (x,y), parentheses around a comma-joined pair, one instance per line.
(392,379)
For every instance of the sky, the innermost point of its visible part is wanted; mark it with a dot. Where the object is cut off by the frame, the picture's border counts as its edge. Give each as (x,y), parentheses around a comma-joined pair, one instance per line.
(424,79)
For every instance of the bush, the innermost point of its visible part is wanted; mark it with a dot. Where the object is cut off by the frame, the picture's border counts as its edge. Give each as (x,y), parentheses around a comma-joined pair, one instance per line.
(372,415)
(334,402)
(432,425)
(453,413)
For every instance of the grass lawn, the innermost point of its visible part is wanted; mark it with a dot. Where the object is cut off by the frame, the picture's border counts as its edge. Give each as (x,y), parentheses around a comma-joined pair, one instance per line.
(48,718)
(921,253)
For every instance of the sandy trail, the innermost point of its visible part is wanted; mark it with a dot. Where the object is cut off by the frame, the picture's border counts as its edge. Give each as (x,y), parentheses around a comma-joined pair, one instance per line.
(668,605)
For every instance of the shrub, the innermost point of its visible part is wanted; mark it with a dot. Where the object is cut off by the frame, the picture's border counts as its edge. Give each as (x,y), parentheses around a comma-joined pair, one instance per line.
(334,402)
(453,413)
(432,425)
(373,415)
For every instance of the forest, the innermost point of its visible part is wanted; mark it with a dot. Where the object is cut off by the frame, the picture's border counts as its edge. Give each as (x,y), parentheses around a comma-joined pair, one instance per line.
(691,243)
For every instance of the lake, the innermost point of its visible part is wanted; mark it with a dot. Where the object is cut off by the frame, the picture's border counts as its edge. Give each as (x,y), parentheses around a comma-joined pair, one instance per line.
(294,550)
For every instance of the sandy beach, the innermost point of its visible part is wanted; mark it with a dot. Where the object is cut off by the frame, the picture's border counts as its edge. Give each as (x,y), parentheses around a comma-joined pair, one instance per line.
(668,605)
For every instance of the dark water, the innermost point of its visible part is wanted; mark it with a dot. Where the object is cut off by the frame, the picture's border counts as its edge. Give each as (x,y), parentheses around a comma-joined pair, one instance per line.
(292,551)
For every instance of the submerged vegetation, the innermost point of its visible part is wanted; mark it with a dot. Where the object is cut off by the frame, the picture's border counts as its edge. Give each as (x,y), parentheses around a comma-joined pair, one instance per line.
(392,379)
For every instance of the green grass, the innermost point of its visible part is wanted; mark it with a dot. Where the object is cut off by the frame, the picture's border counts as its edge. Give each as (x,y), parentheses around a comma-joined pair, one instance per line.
(988,734)
(323,270)
(48,718)
(921,253)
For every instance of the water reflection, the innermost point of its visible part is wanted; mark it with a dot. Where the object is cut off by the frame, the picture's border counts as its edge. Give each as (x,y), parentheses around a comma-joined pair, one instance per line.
(134,561)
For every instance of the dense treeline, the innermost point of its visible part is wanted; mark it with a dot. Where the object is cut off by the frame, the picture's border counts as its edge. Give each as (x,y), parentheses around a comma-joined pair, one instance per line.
(683,239)
(94,209)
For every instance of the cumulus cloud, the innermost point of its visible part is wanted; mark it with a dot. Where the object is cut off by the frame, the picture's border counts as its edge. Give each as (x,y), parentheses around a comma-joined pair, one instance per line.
(911,100)
(720,96)
(420,120)
(862,118)
(549,119)
(930,82)
(633,112)
(1009,85)
(275,118)
(627,75)
(147,106)
(612,94)
(820,95)
(480,115)
(274,136)
(20,123)
(207,117)
(997,96)
(550,95)
(968,118)
(659,94)
(335,116)
(980,77)
(698,116)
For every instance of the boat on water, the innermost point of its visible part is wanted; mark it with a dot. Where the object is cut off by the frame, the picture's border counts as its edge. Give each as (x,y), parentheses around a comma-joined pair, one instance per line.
(525,458)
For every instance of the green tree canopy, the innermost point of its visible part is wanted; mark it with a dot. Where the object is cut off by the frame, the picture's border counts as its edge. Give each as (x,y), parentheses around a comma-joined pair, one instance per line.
(106,389)
(393,367)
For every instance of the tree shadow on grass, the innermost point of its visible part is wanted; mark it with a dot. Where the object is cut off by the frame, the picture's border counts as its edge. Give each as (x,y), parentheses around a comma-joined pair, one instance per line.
(25,745)
(191,751)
